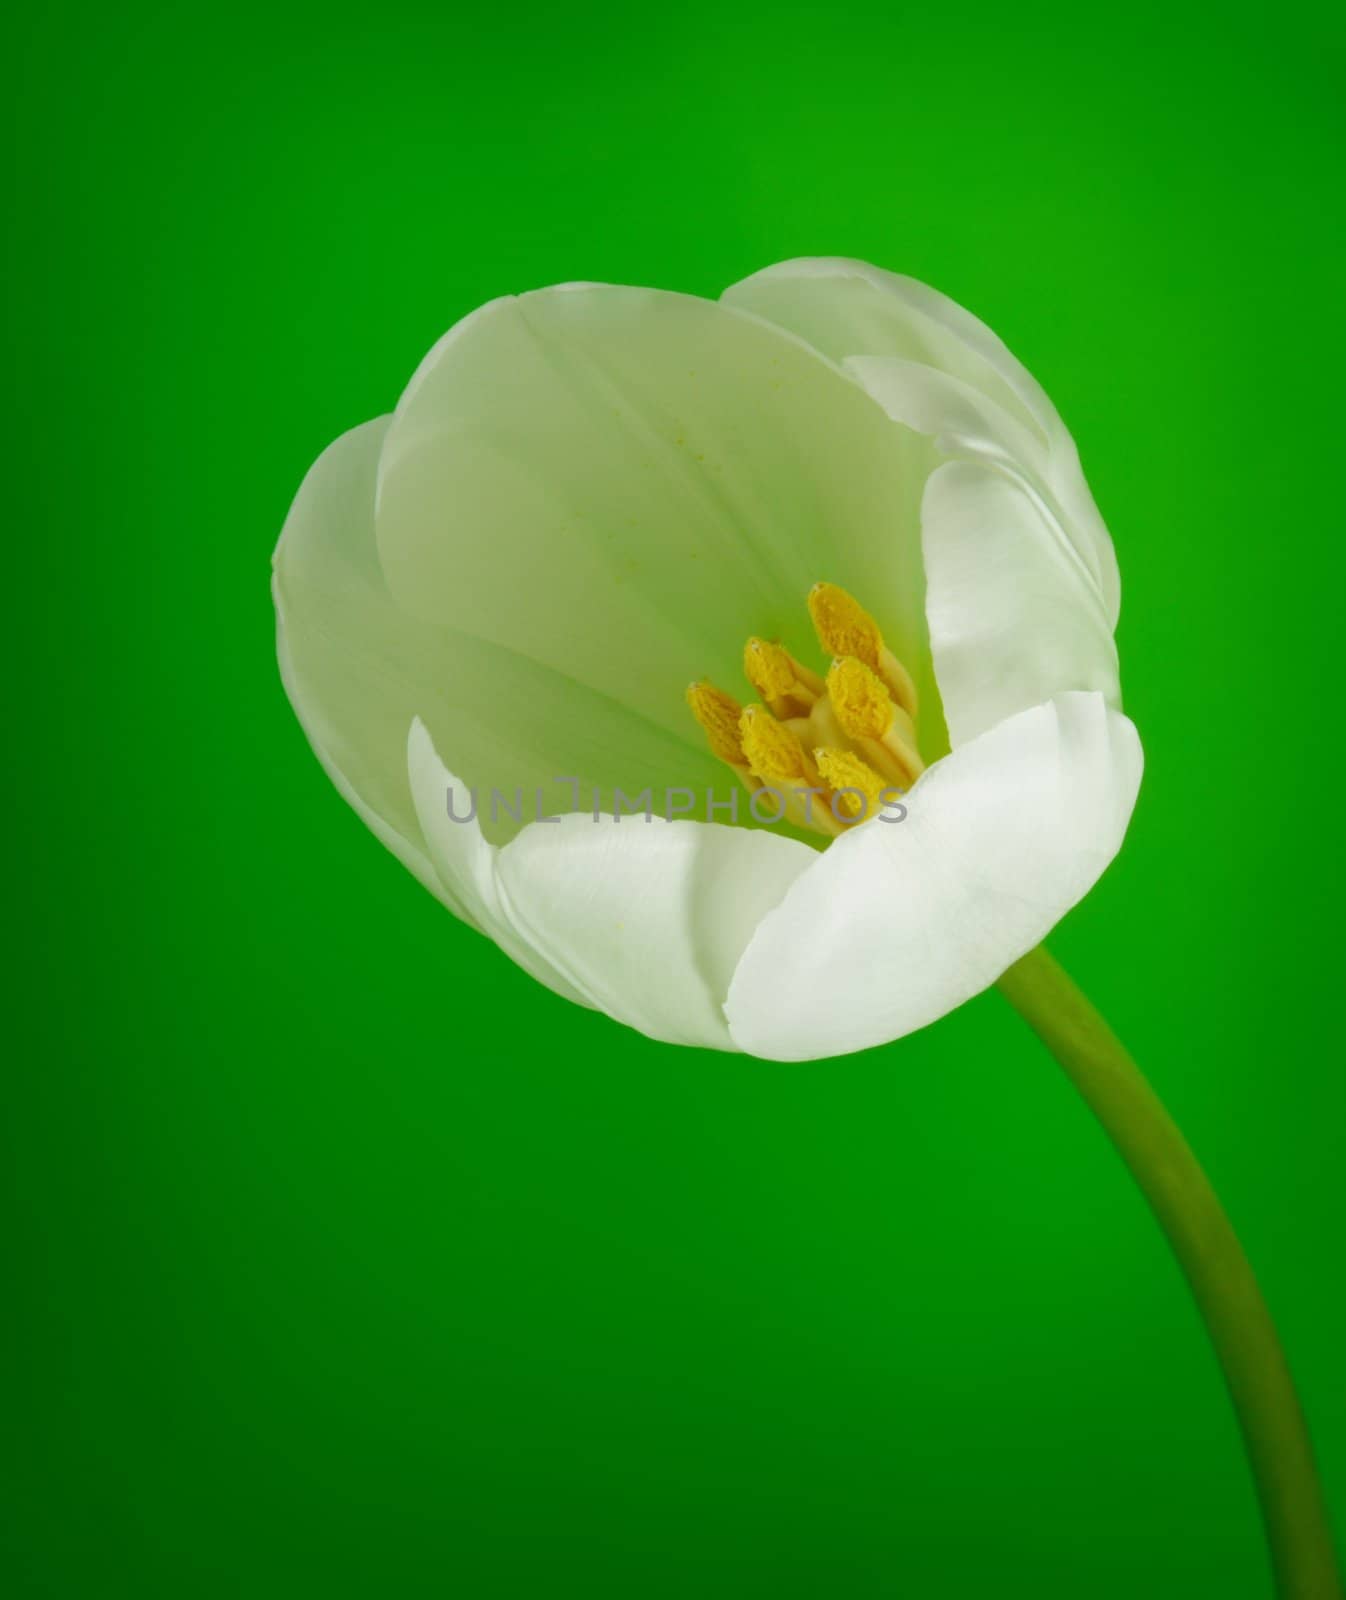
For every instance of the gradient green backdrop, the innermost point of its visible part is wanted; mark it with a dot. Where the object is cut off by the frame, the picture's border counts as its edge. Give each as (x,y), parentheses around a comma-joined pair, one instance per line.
(348,1262)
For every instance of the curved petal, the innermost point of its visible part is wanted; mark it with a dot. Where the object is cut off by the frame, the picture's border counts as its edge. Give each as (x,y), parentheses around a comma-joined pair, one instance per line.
(1015,611)
(851,309)
(1013,621)
(358,668)
(621,484)
(645,920)
(898,923)
(466,863)
(648,918)
(327,591)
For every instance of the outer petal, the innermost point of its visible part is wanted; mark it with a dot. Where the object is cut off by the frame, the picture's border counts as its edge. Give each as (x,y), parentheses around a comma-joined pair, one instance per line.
(339,641)
(649,919)
(620,484)
(358,668)
(644,920)
(1012,620)
(466,863)
(851,309)
(898,923)
(1014,609)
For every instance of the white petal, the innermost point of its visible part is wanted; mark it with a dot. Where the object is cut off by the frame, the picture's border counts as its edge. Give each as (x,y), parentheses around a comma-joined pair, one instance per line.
(643,920)
(1013,618)
(1013,603)
(358,668)
(621,484)
(648,919)
(466,864)
(851,309)
(338,642)
(898,923)
(962,420)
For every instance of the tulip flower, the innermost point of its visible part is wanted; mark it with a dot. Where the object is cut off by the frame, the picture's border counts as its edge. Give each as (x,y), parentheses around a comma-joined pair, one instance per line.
(837,504)
(588,496)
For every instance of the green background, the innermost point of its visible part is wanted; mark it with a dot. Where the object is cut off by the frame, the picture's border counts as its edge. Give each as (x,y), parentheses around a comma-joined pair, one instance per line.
(346,1261)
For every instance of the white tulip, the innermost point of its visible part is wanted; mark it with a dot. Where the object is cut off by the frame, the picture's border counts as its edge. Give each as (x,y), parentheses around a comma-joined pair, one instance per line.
(589,494)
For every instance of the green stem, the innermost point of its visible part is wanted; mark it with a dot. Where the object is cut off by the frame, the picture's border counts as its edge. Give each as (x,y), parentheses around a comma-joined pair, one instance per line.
(1210,1255)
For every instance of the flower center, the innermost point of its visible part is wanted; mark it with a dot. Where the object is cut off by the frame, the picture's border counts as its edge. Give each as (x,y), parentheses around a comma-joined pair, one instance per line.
(836,750)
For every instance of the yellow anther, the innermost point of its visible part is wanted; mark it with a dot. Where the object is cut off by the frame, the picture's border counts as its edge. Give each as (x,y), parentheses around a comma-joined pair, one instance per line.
(718,713)
(773,751)
(843,625)
(768,668)
(859,723)
(862,703)
(855,784)
(847,629)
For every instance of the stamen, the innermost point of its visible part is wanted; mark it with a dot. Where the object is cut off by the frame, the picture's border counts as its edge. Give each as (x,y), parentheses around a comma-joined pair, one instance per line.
(767,667)
(842,771)
(787,687)
(858,724)
(718,713)
(864,711)
(773,751)
(778,759)
(863,705)
(845,628)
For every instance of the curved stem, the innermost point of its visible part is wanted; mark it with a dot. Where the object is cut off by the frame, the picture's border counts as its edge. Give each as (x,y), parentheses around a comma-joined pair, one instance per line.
(1210,1255)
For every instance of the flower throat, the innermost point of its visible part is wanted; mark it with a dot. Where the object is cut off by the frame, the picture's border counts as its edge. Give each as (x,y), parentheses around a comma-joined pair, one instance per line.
(832,748)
